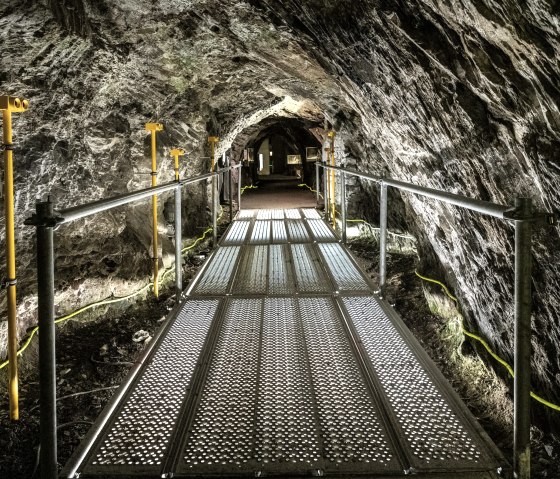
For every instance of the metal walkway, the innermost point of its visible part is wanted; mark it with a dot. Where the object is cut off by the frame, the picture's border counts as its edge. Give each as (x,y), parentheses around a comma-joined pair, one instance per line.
(282,361)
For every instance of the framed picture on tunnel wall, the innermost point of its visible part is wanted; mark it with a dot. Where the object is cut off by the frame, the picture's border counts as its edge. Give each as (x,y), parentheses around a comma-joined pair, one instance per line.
(294,159)
(312,154)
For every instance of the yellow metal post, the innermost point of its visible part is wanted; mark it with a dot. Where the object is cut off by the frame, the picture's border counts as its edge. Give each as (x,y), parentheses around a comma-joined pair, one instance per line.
(176,153)
(154,128)
(8,105)
(332,177)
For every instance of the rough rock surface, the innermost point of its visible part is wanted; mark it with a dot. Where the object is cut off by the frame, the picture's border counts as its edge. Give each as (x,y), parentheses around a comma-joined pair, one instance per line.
(460,95)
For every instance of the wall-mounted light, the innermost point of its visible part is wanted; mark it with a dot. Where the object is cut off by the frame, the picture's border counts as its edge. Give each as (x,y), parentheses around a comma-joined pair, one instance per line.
(261,161)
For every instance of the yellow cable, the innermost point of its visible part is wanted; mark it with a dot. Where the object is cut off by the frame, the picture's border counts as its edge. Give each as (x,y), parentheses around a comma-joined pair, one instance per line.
(485,344)
(304,185)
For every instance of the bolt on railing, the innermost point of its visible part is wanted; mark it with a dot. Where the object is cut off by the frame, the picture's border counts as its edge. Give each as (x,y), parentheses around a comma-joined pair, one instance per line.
(524,217)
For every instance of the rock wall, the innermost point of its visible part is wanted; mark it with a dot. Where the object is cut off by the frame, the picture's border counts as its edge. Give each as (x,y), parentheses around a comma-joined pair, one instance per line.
(460,95)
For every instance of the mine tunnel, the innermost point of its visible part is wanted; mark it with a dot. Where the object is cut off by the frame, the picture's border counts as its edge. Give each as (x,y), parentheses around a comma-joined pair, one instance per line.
(261,238)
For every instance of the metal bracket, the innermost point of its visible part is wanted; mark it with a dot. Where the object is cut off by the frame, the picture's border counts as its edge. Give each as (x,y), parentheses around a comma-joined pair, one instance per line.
(51,222)
(538,218)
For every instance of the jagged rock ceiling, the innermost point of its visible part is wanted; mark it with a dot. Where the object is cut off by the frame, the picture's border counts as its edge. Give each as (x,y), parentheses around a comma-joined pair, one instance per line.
(460,95)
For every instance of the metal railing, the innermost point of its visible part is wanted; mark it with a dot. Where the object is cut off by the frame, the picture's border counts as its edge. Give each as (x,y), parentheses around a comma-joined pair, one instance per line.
(524,217)
(46,220)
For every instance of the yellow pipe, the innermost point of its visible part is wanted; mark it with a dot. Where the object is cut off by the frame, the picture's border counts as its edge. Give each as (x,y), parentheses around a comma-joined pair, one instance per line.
(331,135)
(154,128)
(9,105)
(176,153)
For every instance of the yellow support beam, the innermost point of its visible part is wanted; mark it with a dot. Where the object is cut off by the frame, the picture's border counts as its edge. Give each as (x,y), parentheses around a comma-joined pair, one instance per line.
(153,128)
(331,135)
(176,153)
(10,105)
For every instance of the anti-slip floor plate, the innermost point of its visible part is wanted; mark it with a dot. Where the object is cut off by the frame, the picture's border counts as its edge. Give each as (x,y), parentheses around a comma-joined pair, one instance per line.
(280,362)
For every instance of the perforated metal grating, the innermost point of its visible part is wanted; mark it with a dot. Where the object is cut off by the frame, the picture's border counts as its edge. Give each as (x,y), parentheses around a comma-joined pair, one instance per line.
(237,233)
(350,425)
(216,277)
(309,275)
(346,275)
(286,431)
(222,432)
(281,279)
(433,431)
(142,429)
(246,214)
(297,231)
(320,230)
(311,214)
(279,233)
(292,214)
(253,271)
(261,233)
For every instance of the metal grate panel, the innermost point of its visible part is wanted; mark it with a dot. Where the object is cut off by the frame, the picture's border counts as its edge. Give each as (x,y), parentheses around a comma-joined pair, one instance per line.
(264,214)
(292,214)
(277,214)
(221,437)
(141,431)
(279,233)
(297,231)
(434,434)
(345,274)
(261,233)
(286,432)
(237,233)
(251,275)
(351,430)
(320,230)
(309,275)
(310,213)
(246,214)
(215,279)
(281,279)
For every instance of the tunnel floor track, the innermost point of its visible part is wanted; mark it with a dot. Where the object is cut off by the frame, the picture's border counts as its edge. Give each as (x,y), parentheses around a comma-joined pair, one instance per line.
(282,361)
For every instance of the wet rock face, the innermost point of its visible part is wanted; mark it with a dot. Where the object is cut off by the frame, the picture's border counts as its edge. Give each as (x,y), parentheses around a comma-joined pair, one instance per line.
(461,96)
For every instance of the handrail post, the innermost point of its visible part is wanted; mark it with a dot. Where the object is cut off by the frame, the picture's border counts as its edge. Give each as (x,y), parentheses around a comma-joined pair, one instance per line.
(230,184)
(215,197)
(239,186)
(382,239)
(522,360)
(178,245)
(343,206)
(317,181)
(326,191)
(176,153)
(213,140)
(153,128)
(44,222)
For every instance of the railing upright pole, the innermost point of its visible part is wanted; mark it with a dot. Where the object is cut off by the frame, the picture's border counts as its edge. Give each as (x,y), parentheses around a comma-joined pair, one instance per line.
(44,222)
(382,239)
(343,206)
(178,245)
(325,192)
(215,197)
(317,181)
(239,170)
(522,360)
(230,184)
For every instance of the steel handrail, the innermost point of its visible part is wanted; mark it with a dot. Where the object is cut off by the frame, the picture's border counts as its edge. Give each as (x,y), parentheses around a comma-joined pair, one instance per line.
(73,213)
(486,207)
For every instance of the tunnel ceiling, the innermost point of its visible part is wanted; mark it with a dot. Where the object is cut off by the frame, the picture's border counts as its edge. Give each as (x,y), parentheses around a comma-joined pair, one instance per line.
(458,95)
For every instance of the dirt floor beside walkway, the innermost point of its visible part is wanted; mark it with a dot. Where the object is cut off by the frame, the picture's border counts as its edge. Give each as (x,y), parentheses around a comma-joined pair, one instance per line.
(278,194)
